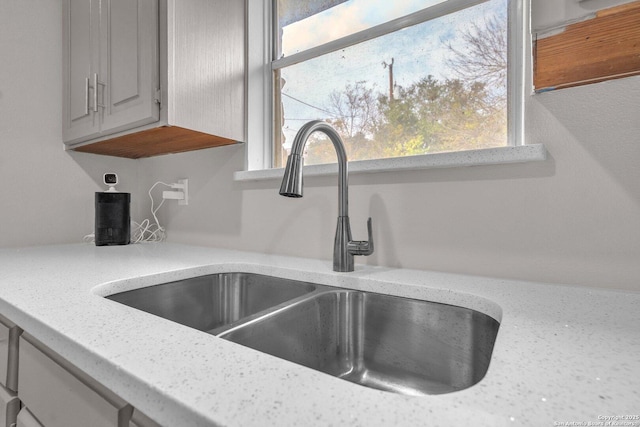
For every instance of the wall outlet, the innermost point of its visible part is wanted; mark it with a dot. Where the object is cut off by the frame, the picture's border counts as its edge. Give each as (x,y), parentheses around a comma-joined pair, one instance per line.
(181,194)
(185,190)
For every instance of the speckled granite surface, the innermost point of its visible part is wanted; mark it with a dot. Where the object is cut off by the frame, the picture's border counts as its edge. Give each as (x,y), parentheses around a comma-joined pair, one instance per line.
(563,354)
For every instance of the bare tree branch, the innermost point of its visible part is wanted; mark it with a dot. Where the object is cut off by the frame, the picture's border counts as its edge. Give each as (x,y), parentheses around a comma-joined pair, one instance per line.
(484,58)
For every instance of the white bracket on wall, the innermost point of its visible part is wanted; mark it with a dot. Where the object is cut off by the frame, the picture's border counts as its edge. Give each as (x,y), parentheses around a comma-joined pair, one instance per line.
(182,193)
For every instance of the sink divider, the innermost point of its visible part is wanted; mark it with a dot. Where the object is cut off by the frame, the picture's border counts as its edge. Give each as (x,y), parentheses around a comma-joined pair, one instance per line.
(225,329)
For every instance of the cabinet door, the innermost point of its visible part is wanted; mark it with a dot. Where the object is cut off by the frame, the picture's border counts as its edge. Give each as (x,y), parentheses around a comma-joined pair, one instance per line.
(4,353)
(81,19)
(9,335)
(9,407)
(60,399)
(129,67)
(26,419)
(138,419)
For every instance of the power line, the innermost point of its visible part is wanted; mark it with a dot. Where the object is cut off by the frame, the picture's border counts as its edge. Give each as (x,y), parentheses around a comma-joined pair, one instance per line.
(308,105)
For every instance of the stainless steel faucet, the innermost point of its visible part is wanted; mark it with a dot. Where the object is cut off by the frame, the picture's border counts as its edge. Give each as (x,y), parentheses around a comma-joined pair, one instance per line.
(344,248)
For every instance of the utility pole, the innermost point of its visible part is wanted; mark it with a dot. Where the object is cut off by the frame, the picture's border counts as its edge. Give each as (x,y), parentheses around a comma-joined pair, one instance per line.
(390,65)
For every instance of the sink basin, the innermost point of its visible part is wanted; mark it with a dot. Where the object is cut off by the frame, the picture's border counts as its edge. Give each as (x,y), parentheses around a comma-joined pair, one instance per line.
(389,343)
(213,301)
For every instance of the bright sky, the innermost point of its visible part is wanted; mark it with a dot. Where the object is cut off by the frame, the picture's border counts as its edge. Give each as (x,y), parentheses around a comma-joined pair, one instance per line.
(344,19)
(418,51)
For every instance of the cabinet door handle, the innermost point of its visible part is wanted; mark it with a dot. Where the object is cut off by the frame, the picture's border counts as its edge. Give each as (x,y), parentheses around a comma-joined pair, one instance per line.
(95,92)
(86,96)
(96,82)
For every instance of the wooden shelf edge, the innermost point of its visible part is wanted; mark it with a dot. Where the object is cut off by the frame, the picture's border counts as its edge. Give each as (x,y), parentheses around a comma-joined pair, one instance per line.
(155,142)
(602,48)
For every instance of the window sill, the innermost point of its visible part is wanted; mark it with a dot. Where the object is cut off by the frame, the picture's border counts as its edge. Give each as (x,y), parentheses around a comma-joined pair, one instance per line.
(488,156)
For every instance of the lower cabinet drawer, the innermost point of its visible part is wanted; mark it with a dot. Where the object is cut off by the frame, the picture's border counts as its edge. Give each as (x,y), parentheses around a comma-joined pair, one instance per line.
(141,420)
(4,353)
(9,334)
(26,419)
(9,407)
(59,397)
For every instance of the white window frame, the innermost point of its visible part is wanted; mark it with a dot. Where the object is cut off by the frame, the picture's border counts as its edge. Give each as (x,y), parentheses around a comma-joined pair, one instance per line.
(260,67)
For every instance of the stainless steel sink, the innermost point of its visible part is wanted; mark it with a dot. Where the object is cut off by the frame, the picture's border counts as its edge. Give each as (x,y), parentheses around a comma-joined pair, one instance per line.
(389,343)
(213,301)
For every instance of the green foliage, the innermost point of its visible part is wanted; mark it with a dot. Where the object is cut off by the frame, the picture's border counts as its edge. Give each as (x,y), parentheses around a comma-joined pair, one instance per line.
(445,116)
(428,116)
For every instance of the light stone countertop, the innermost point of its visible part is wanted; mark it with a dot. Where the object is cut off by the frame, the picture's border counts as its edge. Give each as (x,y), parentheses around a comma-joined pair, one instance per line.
(563,353)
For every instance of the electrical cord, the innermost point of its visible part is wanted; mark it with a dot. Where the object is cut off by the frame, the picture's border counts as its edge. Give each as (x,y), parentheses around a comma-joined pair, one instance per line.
(147,231)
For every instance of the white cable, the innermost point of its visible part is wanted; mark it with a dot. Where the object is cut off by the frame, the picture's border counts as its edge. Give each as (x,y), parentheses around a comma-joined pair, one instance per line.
(146,231)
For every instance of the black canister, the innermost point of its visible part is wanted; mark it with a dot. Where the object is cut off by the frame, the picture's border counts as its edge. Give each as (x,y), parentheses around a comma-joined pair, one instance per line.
(113,219)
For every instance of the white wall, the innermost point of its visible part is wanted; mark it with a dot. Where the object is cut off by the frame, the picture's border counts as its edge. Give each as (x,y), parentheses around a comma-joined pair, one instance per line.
(547,14)
(574,218)
(47,192)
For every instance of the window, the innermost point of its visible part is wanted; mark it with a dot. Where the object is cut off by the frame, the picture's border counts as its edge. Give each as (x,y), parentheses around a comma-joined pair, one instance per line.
(395,78)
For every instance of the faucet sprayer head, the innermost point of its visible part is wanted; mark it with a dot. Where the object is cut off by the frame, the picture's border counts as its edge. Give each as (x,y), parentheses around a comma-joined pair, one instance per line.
(292,179)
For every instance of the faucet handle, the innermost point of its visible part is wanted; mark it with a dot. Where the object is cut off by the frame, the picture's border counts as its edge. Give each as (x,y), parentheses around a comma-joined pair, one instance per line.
(362,247)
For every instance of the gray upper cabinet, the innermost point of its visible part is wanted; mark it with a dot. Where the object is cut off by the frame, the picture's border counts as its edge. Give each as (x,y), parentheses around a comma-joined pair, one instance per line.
(111,67)
(129,64)
(80,43)
(149,77)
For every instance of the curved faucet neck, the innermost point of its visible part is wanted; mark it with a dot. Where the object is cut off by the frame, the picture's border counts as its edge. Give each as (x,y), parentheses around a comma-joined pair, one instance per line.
(300,142)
